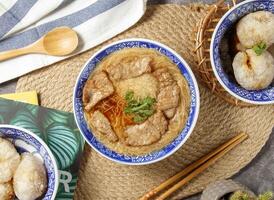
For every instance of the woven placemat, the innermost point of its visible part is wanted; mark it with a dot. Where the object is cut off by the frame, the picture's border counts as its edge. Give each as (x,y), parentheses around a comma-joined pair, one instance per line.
(218,121)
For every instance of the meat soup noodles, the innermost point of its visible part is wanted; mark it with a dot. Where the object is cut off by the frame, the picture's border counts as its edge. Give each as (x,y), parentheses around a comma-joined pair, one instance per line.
(136,101)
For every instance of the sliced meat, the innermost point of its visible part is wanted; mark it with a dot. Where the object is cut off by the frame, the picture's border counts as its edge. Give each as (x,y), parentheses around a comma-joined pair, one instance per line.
(148,132)
(169,113)
(101,124)
(134,68)
(96,89)
(169,92)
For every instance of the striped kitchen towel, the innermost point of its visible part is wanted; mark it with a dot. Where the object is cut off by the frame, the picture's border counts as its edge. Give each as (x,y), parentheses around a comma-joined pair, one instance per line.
(23,22)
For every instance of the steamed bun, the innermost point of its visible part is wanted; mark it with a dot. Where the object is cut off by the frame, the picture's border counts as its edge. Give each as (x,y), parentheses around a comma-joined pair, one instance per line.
(253,72)
(255,28)
(30,179)
(9,160)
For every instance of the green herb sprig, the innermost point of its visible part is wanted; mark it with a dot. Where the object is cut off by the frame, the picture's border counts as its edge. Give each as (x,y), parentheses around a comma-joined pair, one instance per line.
(259,48)
(266,196)
(240,195)
(141,109)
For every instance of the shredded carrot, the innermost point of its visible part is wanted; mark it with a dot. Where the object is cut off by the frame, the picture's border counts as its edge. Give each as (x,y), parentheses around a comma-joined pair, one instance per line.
(113,108)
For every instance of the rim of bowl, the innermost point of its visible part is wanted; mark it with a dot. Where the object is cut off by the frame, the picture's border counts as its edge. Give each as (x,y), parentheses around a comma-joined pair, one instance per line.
(213,62)
(195,117)
(56,173)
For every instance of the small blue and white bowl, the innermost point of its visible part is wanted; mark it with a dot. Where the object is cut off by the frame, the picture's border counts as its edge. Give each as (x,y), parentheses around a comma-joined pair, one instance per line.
(153,156)
(264,96)
(26,141)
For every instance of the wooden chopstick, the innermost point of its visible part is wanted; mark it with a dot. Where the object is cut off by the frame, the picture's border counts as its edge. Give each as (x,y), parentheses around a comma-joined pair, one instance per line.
(200,169)
(196,168)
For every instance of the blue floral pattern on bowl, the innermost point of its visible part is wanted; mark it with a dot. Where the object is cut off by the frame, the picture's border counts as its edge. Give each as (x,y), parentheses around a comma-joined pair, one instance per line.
(153,156)
(26,142)
(264,96)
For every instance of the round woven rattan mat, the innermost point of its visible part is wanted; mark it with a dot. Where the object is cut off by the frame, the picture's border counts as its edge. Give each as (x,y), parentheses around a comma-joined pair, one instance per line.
(218,121)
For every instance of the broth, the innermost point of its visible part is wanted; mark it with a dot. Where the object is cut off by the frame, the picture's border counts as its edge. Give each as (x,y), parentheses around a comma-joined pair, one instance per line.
(112,107)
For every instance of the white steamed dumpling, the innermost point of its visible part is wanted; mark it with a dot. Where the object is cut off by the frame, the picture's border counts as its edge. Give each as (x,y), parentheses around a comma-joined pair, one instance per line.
(9,160)
(256,28)
(30,179)
(253,72)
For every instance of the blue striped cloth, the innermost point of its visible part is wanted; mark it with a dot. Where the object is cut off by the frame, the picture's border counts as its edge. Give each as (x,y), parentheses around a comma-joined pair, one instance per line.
(23,22)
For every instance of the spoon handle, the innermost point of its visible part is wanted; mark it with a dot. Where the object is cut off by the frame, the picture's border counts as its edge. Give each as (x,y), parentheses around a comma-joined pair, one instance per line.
(13,53)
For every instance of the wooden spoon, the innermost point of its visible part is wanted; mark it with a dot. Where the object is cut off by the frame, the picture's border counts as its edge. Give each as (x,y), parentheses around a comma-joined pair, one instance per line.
(58,42)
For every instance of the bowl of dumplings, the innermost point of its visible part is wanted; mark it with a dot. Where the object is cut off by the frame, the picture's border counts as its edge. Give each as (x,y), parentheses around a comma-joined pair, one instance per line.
(242,51)
(28,169)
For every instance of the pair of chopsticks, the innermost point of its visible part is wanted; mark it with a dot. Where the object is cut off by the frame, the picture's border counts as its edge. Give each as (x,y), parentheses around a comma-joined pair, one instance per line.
(193,169)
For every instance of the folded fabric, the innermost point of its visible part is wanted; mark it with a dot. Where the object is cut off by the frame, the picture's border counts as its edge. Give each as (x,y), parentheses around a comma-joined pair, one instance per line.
(18,14)
(24,22)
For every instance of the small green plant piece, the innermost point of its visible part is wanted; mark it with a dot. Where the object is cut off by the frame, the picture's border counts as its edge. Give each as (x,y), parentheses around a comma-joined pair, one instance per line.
(138,119)
(266,196)
(129,96)
(240,195)
(259,48)
(141,109)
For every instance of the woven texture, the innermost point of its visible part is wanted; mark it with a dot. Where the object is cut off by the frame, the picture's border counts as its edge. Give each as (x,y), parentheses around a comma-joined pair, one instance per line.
(204,34)
(218,121)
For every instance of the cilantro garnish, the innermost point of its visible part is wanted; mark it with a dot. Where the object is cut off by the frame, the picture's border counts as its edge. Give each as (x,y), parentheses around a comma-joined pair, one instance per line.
(259,48)
(141,109)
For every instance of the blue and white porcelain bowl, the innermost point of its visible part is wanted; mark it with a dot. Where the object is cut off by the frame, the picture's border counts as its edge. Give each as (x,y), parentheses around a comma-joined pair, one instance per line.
(153,156)
(26,141)
(265,96)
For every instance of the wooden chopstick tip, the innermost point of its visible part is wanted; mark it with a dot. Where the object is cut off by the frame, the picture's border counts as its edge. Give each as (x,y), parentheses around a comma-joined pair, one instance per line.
(243,134)
(148,195)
